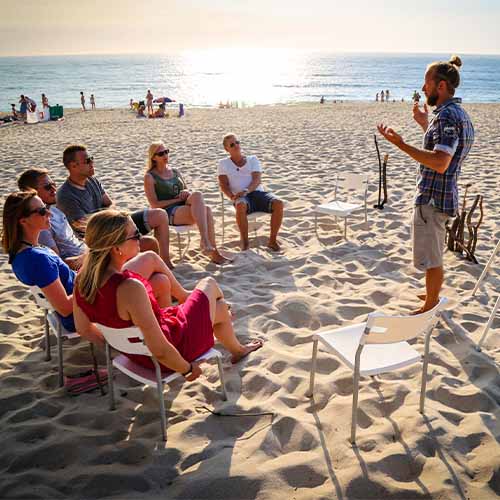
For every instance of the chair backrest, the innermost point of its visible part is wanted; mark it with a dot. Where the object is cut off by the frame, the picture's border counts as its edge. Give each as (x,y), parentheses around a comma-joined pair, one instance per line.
(383,329)
(128,340)
(40,298)
(353,182)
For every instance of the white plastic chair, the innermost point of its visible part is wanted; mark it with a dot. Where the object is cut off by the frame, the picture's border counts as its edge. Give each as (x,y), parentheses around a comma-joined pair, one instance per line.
(352,183)
(52,322)
(183,230)
(253,222)
(497,303)
(120,339)
(378,346)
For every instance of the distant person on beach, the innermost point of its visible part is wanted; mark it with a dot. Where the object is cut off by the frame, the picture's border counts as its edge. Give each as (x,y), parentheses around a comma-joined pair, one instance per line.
(140,111)
(387,96)
(82,101)
(23,108)
(166,189)
(322,100)
(15,114)
(240,181)
(82,194)
(24,217)
(31,104)
(45,101)
(416,97)
(131,104)
(60,236)
(149,102)
(110,291)
(92,101)
(159,113)
(448,139)
(382,96)
(376,97)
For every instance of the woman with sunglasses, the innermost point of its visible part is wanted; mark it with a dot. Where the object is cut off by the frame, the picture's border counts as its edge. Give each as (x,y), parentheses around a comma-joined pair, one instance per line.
(108,291)
(24,217)
(165,188)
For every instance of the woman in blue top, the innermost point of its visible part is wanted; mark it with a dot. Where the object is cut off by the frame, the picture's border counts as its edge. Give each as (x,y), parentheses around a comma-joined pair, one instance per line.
(24,217)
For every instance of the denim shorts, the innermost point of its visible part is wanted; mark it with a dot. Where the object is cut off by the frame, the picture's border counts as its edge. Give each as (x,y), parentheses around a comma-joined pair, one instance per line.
(258,201)
(171,211)
(140,219)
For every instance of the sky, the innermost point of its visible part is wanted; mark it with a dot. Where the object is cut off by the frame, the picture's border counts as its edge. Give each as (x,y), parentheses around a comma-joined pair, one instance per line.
(48,27)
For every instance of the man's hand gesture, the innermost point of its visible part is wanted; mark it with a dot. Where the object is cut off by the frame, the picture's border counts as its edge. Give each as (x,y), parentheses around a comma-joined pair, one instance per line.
(421,116)
(390,134)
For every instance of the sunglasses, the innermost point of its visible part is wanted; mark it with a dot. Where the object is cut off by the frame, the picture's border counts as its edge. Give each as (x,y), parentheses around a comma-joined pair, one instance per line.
(234,144)
(165,152)
(40,211)
(136,236)
(49,186)
(89,159)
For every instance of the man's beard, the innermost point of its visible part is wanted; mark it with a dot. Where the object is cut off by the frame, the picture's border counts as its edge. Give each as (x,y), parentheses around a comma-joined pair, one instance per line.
(432,99)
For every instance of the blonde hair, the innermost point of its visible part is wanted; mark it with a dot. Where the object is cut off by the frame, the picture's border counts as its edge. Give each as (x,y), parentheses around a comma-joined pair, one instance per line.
(226,137)
(447,71)
(150,162)
(105,230)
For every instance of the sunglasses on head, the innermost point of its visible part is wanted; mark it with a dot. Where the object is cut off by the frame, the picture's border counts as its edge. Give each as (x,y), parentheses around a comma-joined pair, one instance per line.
(136,236)
(40,211)
(49,186)
(165,152)
(234,144)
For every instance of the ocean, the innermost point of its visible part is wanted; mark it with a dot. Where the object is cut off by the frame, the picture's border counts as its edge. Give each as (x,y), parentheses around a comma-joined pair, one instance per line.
(249,77)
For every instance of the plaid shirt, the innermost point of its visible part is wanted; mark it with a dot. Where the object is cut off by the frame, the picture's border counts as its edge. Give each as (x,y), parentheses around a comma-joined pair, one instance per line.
(450,131)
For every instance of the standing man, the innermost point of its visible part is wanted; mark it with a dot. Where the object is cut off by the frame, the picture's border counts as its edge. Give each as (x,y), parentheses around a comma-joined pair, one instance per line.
(240,181)
(447,141)
(82,101)
(82,194)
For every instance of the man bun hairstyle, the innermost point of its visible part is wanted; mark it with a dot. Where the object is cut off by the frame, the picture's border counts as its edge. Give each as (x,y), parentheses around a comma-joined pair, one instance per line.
(447,72)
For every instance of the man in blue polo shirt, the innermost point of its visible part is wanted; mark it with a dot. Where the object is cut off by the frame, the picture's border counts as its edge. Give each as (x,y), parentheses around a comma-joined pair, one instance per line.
(448,139)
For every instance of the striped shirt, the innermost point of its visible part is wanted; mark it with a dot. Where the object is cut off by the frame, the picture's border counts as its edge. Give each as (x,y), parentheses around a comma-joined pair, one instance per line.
(450,131)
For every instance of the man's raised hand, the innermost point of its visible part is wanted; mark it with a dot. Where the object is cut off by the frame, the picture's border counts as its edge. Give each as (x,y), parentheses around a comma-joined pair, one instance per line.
(421,116)
(390,134)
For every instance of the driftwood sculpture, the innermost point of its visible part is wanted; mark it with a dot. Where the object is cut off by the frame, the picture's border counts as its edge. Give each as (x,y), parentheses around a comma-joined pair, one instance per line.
(382,178)
(456,232)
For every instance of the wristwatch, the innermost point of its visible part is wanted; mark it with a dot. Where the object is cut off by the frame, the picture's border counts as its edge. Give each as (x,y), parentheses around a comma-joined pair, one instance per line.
(189,371)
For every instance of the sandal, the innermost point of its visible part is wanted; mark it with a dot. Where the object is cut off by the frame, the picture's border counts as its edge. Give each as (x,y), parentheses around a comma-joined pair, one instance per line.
(84,382)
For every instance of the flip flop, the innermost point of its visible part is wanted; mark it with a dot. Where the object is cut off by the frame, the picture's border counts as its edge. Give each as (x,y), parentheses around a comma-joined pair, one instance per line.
(84,382)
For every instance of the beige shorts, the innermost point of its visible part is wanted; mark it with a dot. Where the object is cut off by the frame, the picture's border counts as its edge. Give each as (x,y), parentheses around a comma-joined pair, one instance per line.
(428,234)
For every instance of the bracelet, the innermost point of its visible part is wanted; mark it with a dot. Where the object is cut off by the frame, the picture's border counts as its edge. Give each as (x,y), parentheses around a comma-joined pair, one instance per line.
(189,371)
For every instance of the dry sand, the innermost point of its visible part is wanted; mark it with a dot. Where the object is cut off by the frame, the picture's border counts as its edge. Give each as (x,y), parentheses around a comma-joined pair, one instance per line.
(55,446)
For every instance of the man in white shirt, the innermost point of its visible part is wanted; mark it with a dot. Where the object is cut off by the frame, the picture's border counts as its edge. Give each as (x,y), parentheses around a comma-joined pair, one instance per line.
(60,237)
(240,181)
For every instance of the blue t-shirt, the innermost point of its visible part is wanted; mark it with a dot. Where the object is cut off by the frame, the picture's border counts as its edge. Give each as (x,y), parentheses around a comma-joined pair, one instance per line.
(40,266)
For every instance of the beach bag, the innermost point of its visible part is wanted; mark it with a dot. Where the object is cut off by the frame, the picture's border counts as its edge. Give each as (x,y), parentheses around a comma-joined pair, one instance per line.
(31,117)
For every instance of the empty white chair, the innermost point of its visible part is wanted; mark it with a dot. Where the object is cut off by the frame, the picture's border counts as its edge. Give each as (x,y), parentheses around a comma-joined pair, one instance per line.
(52,322)
(120,339)
(353,184)
(378,346)
(183,230)
(253,222)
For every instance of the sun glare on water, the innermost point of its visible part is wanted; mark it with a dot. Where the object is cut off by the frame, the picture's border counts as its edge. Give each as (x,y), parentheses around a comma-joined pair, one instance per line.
(250,76)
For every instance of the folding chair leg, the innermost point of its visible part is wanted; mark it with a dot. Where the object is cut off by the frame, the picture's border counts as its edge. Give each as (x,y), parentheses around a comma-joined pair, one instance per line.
(60,355)
(316,224)
(486,268)
(310,393)
(424,372)
(109,365)
(179,246)
(490,321)
(161,400)
(222,380)
(355,395)
(48,355)
(345,229)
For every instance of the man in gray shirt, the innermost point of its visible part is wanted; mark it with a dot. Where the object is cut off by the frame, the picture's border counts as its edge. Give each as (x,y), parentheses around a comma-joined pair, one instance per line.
(82,194)
(60,237)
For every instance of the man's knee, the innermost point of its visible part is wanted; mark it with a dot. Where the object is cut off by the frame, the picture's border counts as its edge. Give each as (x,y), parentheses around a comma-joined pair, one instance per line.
(148,243)
(277,205)
(241,208)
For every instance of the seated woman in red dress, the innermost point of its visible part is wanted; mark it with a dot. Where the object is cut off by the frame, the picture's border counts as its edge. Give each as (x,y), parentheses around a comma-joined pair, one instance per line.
(109,291)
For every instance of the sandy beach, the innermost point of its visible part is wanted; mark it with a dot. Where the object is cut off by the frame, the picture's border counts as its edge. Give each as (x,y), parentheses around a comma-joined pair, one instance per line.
(57,446)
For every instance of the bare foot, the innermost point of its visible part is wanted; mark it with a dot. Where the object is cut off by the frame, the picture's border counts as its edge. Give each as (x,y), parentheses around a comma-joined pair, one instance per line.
(246,350)
(422,296)
(426,307)
(273,245)
(216,257)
